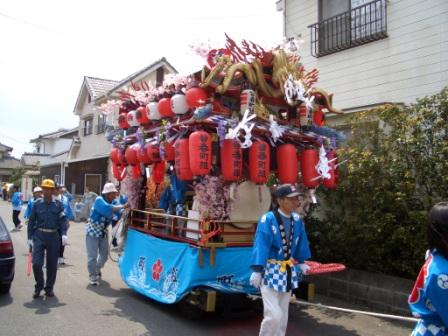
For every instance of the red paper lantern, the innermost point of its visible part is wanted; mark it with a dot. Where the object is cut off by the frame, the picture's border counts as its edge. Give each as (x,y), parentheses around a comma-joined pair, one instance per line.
(114,155)
(142,155)
(200,153)
(142,115)
(310,176)
(123,121)
(158,172)
(231,160)
(165,108)
(318,116)
(332,182)
(169,151)
(131,156)
(122,158)
(196,97)
(153,152)
(119,171)
(136,171)
(287,163)
(182,160)
(259,162)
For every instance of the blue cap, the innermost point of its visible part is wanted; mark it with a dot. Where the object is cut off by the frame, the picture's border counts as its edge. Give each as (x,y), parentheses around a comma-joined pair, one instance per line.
(286,190)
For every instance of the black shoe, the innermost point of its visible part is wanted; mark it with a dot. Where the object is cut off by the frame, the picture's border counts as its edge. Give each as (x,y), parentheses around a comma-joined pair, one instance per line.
(36,294)
(49,294)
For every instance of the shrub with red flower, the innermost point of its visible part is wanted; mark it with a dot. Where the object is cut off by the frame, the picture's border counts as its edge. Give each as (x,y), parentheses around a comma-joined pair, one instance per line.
(157,268)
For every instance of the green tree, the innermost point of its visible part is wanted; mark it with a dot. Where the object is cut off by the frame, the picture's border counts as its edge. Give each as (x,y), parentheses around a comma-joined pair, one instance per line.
(16,176)
(397,168)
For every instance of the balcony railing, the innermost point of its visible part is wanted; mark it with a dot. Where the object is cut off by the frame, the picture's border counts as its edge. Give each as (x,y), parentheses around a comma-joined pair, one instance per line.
(360,25)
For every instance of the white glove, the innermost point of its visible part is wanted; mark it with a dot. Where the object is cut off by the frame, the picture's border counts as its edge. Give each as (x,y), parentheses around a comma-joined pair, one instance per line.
(255,279)
(304,268)
(30,243)
(64,240)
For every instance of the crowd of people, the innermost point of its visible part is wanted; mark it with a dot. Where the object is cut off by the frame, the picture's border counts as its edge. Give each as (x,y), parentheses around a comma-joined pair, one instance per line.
(48,215)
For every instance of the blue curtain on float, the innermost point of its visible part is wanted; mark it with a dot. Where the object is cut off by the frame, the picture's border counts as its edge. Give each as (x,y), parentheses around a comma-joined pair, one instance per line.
(166,271)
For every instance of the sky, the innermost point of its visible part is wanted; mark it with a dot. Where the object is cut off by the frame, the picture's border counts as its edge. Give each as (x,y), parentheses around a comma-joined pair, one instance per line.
(47,47)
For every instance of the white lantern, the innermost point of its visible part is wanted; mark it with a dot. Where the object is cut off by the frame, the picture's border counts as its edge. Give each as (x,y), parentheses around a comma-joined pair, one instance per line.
(154,113)
(179,104)
(132,118)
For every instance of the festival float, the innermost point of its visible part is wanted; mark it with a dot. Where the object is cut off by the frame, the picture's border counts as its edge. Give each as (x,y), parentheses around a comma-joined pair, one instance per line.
(197,158)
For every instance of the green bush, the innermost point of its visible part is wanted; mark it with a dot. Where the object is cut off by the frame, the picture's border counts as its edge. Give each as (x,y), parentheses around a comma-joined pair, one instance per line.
(396,169)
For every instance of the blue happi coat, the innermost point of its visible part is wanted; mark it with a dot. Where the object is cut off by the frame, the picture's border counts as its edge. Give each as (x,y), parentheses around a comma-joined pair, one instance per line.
(101,217)
(268,251)
(67,208)
(429,297)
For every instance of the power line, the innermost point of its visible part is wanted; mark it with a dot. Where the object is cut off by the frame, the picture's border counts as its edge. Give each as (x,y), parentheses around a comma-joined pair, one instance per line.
(15,140)
(13,18)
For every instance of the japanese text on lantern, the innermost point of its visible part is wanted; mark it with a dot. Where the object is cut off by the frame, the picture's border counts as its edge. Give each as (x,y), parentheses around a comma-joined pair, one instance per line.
(236,159)
(203,152)
(261,160)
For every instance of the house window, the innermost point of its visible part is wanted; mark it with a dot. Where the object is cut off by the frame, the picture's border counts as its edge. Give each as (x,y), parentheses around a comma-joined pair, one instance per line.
(57,179)
(101,126)
(345,24)
(88,126)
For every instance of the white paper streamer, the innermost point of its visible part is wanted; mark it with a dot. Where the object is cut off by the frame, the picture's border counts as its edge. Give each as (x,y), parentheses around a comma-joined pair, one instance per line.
(323,167)
(245,126)
(275,129)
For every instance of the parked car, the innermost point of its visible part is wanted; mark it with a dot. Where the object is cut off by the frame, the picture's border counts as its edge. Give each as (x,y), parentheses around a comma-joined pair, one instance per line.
(7,259)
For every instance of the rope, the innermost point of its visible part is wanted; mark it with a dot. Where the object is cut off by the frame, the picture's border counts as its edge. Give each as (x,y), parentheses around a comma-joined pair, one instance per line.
(353,311)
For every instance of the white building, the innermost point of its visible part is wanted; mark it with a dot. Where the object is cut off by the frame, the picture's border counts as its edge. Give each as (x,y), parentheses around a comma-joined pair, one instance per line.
(371,52)
(53,148)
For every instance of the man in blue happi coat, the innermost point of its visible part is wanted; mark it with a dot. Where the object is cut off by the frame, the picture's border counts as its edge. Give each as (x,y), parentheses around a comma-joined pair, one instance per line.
(47,227)
(17,202)
(103,210)
(278,259)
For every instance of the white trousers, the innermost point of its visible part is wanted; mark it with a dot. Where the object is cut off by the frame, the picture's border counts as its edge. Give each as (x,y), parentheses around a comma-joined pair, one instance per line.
(275,315)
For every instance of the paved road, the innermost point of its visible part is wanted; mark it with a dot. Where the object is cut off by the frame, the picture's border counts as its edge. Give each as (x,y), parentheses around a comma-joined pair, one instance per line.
(113,309)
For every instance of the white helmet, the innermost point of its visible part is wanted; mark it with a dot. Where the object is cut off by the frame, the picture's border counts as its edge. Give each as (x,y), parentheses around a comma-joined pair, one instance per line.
(109,188)
(37,189)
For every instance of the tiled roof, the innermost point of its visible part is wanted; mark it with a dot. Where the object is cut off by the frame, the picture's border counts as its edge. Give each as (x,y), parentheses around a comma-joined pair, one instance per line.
(5,148)
(128,79)
(60,133)
(98,86)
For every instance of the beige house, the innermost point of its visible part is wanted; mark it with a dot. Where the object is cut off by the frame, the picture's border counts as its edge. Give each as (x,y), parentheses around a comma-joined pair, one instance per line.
(88,157)
(7,162)
(371,52)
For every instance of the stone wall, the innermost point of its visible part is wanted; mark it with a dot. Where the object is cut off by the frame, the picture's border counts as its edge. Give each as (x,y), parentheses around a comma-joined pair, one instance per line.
(378,292)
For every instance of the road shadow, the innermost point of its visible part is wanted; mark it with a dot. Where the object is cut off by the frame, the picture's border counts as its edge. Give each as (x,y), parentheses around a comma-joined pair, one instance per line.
(104,289)
(5,299)
(44,305)
(163,319)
